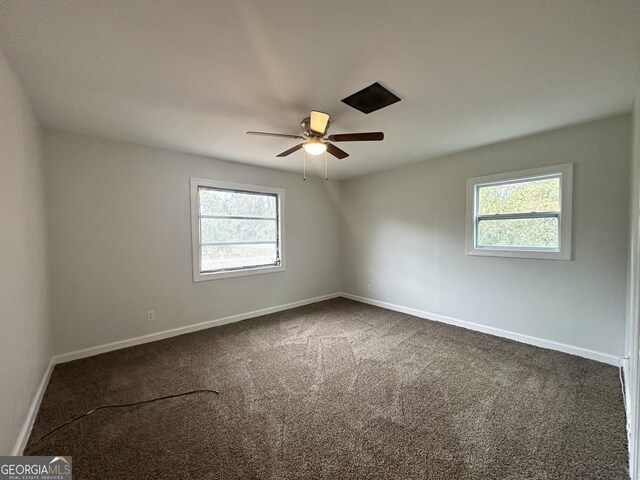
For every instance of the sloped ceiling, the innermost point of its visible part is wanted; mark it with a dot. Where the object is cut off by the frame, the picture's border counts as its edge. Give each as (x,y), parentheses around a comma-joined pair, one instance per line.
(193,76)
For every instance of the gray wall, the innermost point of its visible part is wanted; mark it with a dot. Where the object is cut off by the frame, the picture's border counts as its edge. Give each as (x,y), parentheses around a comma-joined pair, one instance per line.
(404,233)
(120,236)
(25,348)
(633,304)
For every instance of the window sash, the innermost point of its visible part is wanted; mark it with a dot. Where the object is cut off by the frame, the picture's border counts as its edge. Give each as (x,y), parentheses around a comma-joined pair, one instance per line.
(516,216)
(276,263)
(513,216)
(513,181)
(561,215)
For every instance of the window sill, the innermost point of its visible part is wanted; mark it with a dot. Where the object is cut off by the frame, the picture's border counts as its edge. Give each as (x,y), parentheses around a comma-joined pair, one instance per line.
(204,277)
(538,254)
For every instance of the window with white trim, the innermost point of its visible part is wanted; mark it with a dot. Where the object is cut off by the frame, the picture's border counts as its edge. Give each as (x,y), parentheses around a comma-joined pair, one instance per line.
(521,214)
(237,229)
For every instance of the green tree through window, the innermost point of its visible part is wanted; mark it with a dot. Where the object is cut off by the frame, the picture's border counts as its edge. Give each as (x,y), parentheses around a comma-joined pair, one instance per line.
(517,200)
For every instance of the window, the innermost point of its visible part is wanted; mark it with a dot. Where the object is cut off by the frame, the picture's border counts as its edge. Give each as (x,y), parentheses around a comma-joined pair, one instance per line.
(236,229)
(523,214)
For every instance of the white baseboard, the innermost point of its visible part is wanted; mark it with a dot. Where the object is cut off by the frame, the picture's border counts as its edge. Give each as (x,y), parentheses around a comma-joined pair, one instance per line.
(152,337)
(25,431)
(23,436)
(518,337)
(626,386)
(107,347)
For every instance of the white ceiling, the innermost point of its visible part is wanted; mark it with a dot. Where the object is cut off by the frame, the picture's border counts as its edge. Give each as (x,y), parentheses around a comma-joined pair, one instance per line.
(194,75)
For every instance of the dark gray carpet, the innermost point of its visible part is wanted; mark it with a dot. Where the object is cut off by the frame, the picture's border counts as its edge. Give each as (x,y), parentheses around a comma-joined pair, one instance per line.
(338,390)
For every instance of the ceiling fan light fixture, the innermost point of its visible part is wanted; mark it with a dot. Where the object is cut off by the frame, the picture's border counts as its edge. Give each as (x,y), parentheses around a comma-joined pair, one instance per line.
(315,140)
(315,148)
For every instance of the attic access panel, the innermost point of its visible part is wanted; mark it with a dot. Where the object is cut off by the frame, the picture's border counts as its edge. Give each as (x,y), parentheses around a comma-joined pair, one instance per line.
(372,98)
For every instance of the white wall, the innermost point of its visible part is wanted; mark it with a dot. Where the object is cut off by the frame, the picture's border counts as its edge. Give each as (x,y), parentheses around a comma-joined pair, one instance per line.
(25,347)
(120,235)
(404,233)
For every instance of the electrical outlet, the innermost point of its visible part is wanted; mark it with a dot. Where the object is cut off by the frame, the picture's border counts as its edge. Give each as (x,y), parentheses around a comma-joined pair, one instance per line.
(368,287)
(151,315)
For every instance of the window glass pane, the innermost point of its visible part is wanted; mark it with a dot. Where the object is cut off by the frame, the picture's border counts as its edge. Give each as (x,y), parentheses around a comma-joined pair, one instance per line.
(236,204)
(521,197)
(521,232)
(213,230)
(237,256)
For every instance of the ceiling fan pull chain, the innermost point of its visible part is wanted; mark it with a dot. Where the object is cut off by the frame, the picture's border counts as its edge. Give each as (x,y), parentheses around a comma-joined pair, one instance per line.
(326,166)
(304,165)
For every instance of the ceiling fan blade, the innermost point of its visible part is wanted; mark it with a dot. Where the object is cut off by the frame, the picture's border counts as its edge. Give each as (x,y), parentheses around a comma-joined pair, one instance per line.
(284,135)
(319,122)
(335,151)
(290,151)
(357,137)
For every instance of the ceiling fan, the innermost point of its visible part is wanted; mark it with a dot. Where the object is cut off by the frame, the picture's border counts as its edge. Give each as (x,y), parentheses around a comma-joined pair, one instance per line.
(315,141)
